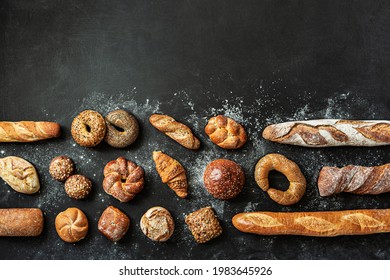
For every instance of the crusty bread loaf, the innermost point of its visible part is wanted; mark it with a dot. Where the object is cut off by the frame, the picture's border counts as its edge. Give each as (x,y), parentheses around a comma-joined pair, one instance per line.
(21,222)
(323,224)
(28,131)
(330,132)
(19,174)
(354,179)
(177,131)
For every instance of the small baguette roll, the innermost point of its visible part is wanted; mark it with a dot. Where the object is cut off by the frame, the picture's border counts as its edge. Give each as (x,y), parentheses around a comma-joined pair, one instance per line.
(21,222)
(28,131)
(321,224)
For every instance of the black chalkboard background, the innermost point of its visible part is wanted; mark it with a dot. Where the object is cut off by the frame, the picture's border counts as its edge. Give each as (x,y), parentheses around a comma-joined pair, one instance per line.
(259,62)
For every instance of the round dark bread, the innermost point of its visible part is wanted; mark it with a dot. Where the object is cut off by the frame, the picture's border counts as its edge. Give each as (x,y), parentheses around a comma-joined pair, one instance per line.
(224,179)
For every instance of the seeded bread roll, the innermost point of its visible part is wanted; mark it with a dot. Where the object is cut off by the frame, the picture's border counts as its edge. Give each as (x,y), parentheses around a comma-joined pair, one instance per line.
(322,224)
(330,132)
(203,224)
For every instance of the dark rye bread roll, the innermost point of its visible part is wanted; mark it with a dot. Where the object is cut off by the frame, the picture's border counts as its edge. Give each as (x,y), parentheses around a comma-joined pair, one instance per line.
(330,132)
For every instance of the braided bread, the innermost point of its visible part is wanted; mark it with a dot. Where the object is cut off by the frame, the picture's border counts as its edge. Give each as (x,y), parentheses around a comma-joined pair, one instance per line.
(226,132)
(28,131)
(328,132)
(324,224)
(171,173)
(179,132)
(19,174)
(354,179)
(123,179)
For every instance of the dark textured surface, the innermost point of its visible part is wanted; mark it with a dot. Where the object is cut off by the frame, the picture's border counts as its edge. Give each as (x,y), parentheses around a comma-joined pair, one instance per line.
(257,61)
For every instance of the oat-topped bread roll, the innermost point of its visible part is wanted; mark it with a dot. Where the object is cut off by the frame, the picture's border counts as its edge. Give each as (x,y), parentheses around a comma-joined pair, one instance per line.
(330,132)
(322,224)
(354,179)
(177,131)
(28,131)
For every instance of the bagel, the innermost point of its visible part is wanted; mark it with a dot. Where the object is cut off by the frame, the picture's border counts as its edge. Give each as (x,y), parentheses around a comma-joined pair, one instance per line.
(289,169)
(88,128)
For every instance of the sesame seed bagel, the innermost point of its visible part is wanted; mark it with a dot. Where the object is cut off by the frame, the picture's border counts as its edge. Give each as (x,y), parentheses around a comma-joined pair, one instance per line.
(88,128)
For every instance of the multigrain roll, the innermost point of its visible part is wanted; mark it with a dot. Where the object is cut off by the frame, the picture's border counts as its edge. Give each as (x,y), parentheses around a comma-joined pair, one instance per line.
(78,186)
(61,168)
(203,224)
(224,179)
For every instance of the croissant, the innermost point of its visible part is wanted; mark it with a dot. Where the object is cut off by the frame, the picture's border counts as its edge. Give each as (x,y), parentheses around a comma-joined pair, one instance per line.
(171,173)
(179,132)
(123,179)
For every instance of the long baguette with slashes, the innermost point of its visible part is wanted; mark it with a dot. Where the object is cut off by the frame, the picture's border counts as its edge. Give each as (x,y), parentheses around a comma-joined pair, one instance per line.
(330,132)
(321,224)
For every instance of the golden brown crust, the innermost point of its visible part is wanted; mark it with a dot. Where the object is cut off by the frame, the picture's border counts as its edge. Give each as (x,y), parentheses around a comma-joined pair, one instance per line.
(322,224)
(226,132)
(203,224)
(28,131)
(123,179)
(290,169)
(177,131)
(157,224)
(113,223)
(71,225)
(88,128)
(21,222)
(19,174)
(171,173)
(224,179)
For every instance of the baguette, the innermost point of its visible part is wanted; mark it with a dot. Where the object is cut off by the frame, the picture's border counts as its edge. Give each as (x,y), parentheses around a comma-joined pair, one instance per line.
(21,222)
(177,131)
(321,224)
(330,132)
(28,131)
(354,179)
